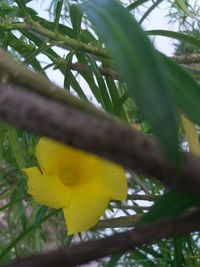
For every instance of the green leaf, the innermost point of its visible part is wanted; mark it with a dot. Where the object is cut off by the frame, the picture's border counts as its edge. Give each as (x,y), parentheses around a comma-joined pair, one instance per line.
(171,203)
(25,233)
(77,88)
(68,62)
(184,89)
(142,258)
(31,56)
(176,35)
(107,104)
(118,108)
(184,8)
(47,67)
(87,36)
(15,12)
(11,203)
(76,18)
(40,215)
(113,260)
(2,137)
(22,6)
(178,251)
(57,13)
(88,76)
(149,251)
(5,41)
(25,50)
(136,4)
(17,147)
(141,67)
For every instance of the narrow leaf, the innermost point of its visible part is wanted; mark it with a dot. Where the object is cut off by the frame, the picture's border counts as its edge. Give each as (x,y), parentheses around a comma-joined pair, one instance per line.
(57,13)
(140,66)
(136,4)
(68,62)
(171,203)
(76,18)
(184,8)
(107,104)
(22,6)
(25,233)
(16,147)
(176,35)
(184,89)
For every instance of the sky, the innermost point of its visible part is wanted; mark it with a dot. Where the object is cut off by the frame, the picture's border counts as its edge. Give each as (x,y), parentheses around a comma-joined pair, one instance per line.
(158,20)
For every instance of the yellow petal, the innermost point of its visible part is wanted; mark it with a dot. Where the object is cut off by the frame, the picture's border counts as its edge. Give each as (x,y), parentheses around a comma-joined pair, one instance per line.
(47,189)
(112,177)
(53,156)
(192,135)
(49,153)
(88,203)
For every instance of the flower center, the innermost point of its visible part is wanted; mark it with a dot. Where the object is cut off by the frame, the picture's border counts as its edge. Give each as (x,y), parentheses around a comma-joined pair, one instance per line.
(68,177)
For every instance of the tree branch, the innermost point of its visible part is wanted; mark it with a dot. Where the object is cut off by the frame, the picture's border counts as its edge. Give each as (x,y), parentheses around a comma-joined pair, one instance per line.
(147,197)
(138,181)
(118,243)
(132,207)
(16,73)
(107,138)
(74,44)
(61,40)
(187,59)
(104,135)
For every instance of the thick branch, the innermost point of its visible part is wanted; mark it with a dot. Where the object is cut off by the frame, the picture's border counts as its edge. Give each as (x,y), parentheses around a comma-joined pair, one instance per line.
(85,252)
(16,73)
(107,138)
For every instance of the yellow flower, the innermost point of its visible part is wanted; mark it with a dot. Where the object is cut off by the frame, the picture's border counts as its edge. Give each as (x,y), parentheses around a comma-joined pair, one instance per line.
(78,182)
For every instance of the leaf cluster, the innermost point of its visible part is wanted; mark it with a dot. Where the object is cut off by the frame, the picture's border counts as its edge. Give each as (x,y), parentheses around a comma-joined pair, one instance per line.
(103,57)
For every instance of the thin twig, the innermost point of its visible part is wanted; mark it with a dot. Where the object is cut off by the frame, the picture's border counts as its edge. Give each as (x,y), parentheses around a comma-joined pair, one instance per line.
(139,182)
(66,42)
(131,207)
(61,39)
(120,222)
(147,197)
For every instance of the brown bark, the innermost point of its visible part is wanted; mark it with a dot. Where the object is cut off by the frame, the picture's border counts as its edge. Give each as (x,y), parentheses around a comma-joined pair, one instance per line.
(187,59)
(107,138)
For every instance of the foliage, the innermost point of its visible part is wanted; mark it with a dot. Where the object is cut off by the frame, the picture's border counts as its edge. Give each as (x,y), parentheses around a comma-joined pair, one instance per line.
(103,57)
